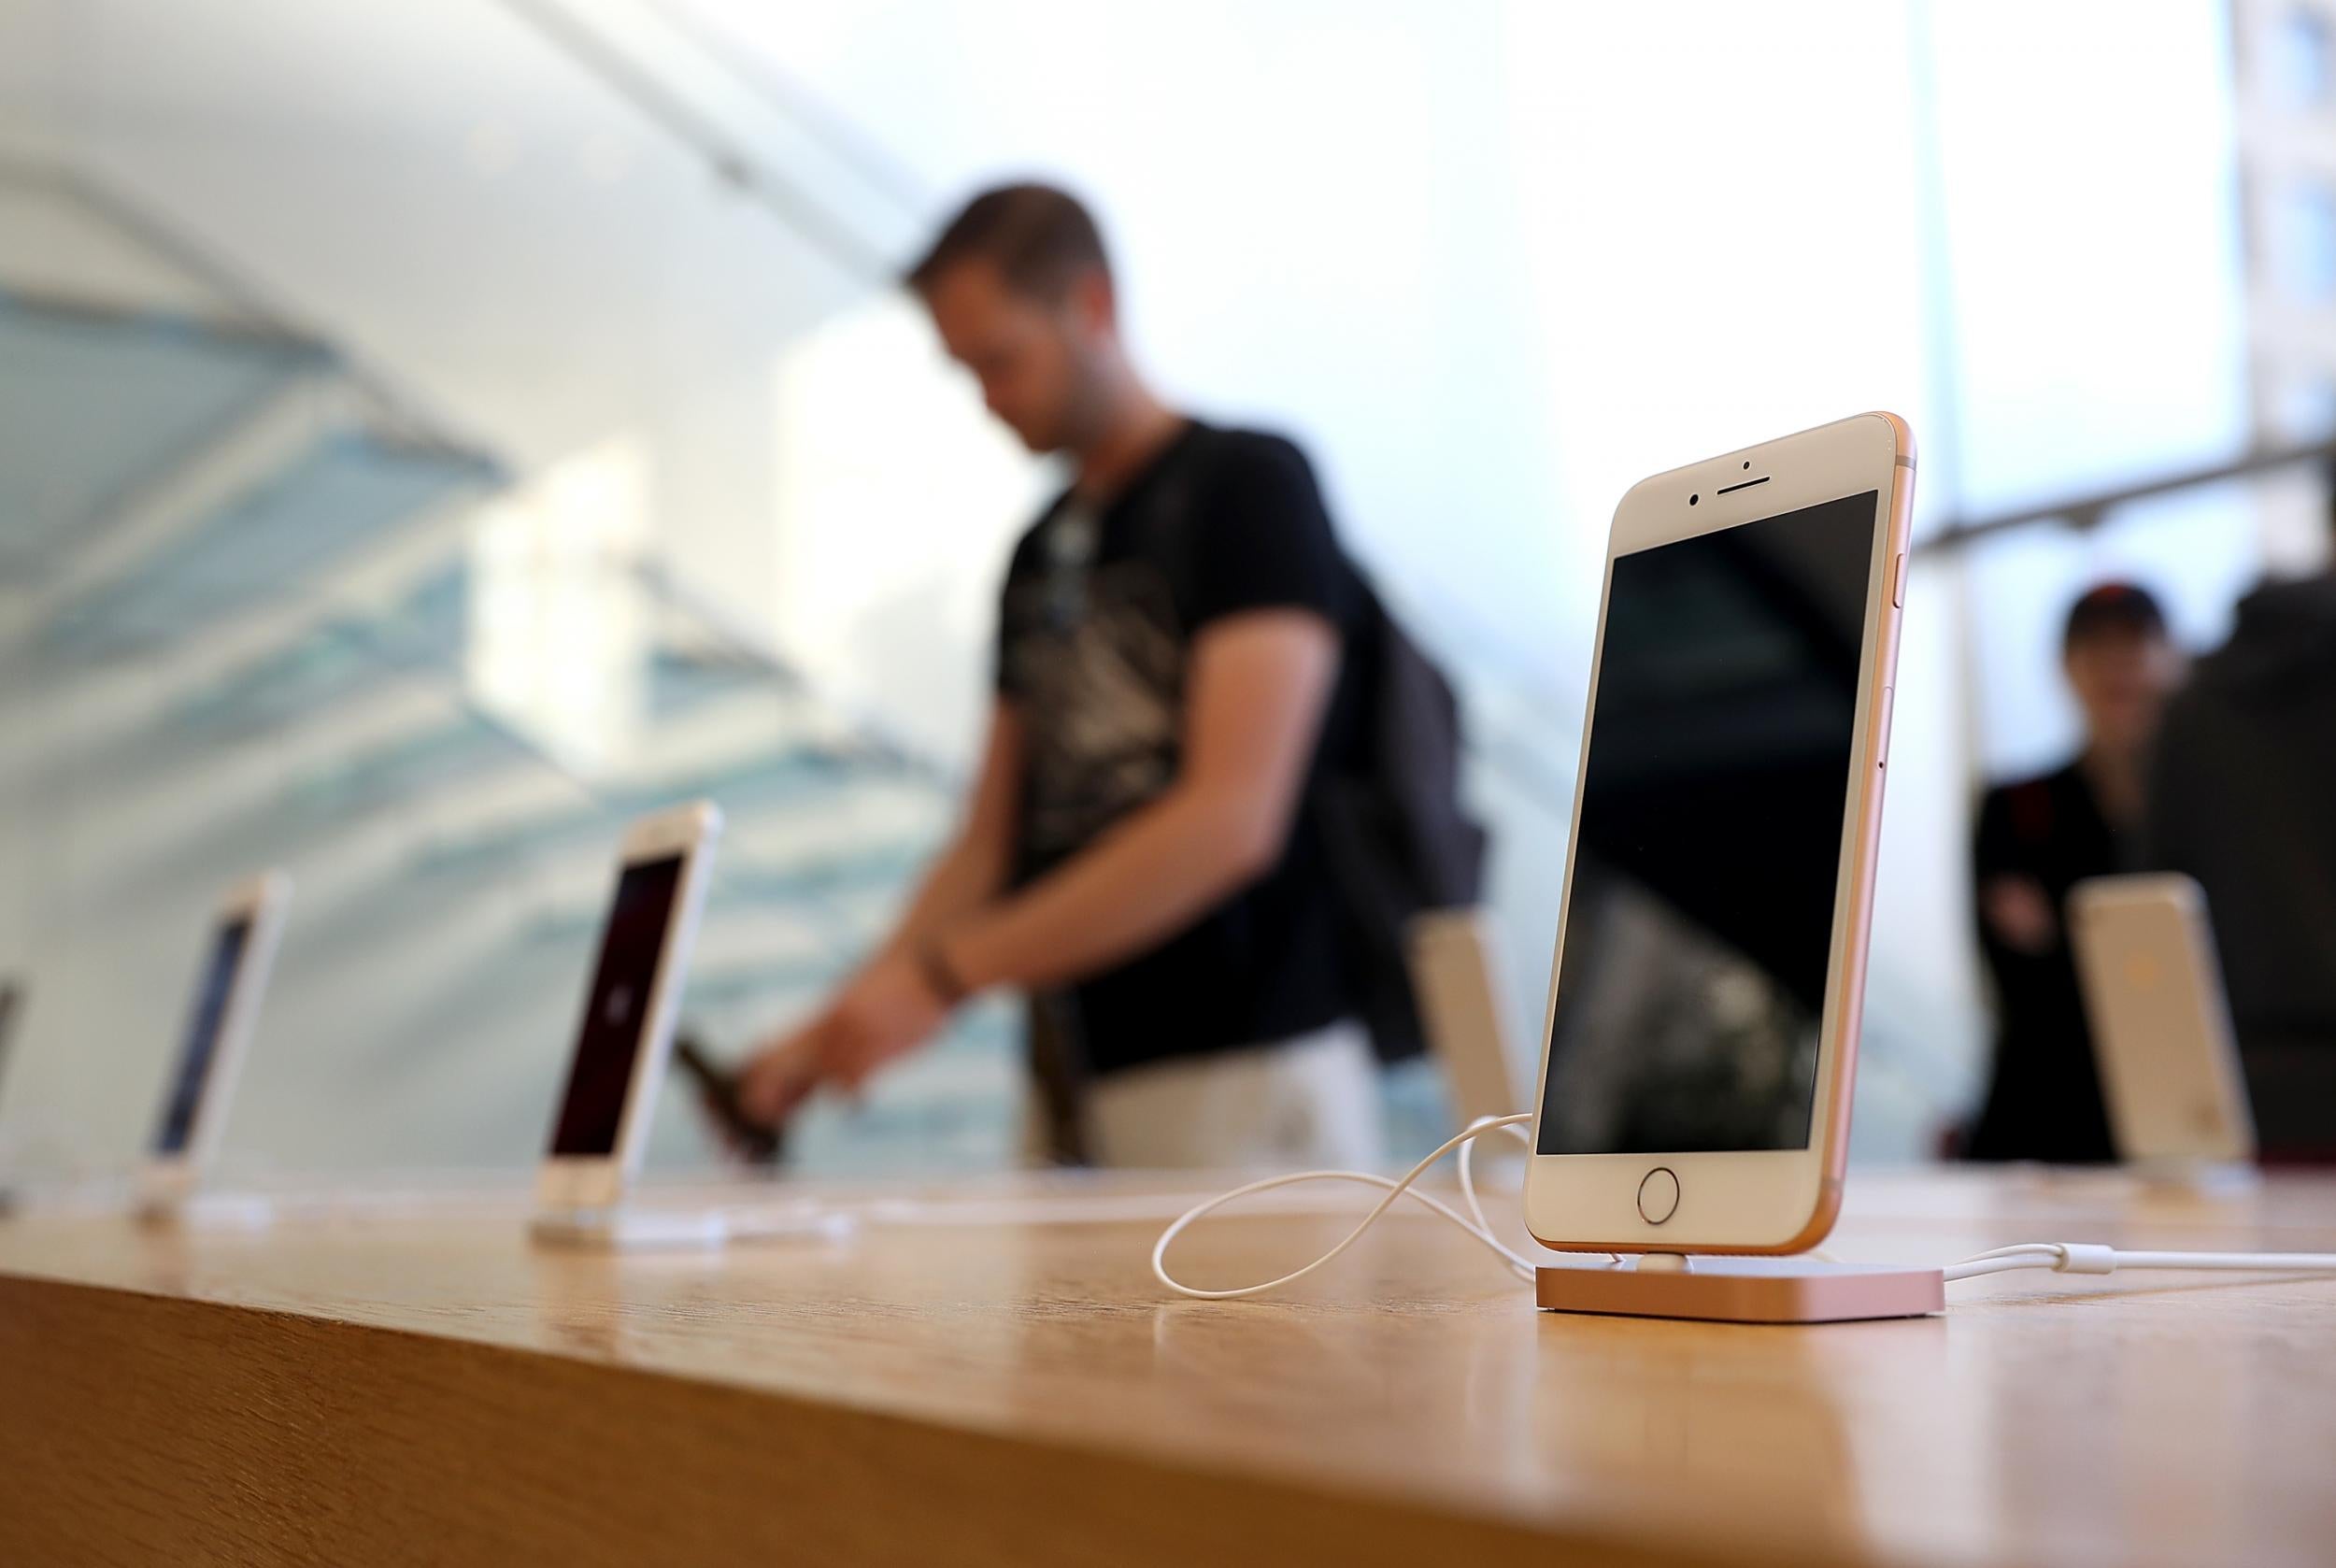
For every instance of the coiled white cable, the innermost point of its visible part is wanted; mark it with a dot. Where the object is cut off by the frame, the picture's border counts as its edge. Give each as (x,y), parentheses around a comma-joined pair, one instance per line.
(2058,1256)
(1474,1222)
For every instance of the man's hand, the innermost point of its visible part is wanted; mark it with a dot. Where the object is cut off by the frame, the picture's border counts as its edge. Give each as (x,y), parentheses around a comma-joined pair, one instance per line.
(887,1012)
(884,1012)
(781,1074)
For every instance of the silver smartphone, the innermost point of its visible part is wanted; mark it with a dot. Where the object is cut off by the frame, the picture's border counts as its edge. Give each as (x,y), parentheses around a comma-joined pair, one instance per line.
(601,1128)
(226,1014)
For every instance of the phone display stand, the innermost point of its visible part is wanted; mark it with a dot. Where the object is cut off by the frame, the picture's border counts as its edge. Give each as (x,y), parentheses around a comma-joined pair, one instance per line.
(207,1211)
(1724,1289)
(2196,1178)
(2164,1180)
(629,1229)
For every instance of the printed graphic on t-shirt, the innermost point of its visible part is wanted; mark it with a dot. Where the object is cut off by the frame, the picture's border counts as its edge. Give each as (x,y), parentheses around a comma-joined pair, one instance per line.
(1098,657)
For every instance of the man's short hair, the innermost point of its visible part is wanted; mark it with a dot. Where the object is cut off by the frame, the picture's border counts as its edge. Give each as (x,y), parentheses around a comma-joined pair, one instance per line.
(2113,609)
(1038,237)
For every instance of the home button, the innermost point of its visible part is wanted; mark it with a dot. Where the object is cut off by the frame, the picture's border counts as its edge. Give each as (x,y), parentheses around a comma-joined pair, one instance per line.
(1659,1195)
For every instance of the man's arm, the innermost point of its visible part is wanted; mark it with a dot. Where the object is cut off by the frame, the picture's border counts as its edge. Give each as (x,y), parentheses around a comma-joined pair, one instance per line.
(968,874)
(1261,683)
(1262,664)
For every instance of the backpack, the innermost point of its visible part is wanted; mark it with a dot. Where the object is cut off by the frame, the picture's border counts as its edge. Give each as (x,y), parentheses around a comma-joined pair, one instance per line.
(1397,838)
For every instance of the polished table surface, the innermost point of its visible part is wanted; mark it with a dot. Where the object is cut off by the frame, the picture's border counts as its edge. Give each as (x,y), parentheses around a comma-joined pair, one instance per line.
(989,1374)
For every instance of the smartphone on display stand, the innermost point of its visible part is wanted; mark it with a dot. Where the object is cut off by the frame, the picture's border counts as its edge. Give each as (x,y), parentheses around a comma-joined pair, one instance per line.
(2161,1028)
(1700,1043)
(601,1129)
(223,1017)
(601,1124)
(1455,972)
(11,1006)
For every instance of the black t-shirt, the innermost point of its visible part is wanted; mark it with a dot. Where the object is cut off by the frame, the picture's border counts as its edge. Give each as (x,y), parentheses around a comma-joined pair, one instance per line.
(1099,616)
(2044,1101)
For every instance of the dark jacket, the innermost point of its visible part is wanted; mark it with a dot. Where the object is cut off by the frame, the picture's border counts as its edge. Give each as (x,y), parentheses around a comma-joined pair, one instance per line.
(2043,1092)
(2244,798)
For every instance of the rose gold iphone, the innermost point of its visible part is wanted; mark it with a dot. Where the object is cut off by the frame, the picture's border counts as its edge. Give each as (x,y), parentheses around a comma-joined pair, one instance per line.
(1701,1035)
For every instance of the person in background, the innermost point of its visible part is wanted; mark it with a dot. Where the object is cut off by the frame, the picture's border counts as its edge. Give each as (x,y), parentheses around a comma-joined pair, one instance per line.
(2038,838)
(1168,682)
(2243,799)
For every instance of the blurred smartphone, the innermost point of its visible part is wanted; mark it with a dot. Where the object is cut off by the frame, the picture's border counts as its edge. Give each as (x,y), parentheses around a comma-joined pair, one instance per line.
(624,1041)
(1453,974)
(2162,1026)
(718,1092)
(229,985)
(11,1002)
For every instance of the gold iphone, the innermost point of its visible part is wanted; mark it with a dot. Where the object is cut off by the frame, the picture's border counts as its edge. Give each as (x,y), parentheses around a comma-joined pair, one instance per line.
(1700,1039)
(2161,1023)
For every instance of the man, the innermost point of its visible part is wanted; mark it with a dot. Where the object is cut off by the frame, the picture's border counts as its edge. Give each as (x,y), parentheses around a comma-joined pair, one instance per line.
(2244,798)
(1136,851)
(2037,840)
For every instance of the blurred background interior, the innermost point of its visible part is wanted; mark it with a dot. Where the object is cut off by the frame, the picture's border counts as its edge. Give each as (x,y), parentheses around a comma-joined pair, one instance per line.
(433,434)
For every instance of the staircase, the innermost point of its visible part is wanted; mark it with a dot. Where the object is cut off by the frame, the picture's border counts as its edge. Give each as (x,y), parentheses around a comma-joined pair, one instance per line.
(238,580)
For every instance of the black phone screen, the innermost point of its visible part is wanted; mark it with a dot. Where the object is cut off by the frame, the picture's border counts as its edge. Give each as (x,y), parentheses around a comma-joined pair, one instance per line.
(1690,989)
(212,990)
(616,1010)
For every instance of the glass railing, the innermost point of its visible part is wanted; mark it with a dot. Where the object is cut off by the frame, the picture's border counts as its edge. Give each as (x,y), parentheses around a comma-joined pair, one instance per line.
(255,616)
(451,869)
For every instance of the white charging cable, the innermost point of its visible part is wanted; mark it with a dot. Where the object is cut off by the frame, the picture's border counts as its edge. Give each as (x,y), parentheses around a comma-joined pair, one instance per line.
(2076,1257)
(1396,1187)
(2058,1256)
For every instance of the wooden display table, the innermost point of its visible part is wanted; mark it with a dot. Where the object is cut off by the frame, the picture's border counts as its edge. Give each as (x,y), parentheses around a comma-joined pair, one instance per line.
(1004,1383)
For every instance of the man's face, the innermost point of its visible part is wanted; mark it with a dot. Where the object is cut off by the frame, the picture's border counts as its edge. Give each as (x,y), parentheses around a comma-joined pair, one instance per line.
(1034,357)
(2122,680)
